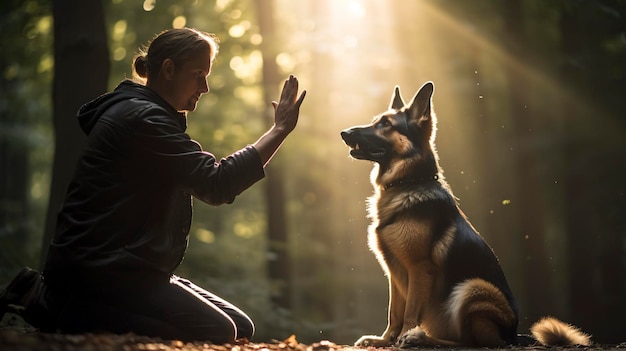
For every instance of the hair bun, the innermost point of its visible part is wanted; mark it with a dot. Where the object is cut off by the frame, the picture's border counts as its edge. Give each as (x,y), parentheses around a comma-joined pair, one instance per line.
(141,65)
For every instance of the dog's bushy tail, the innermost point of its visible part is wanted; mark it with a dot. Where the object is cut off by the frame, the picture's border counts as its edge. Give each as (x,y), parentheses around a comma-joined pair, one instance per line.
(552,332)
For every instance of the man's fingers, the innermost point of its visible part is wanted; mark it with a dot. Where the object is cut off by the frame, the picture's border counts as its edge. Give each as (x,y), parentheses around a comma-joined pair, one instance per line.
(299,102)
(289,94)
(290,89)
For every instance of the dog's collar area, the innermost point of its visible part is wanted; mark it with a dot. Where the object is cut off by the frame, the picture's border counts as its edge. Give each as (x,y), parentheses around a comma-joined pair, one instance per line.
(411,181)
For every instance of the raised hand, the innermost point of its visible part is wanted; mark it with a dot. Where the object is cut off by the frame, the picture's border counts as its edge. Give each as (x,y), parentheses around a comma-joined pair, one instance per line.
(287,110)
(286,113)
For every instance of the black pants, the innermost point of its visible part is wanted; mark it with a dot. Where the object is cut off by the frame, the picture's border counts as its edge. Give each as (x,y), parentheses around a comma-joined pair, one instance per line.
(177,309)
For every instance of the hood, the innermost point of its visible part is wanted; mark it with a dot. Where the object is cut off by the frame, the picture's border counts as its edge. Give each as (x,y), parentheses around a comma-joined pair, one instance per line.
(91,112)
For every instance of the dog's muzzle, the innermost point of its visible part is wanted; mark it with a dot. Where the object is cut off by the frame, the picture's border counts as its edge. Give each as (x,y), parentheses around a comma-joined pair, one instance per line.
(360,147)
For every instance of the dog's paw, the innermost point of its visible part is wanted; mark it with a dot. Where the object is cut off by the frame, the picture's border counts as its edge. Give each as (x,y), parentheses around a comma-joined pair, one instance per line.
(412,338)
(372,340)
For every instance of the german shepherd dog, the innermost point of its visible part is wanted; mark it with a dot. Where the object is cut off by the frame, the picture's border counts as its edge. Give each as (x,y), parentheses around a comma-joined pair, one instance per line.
(446,285)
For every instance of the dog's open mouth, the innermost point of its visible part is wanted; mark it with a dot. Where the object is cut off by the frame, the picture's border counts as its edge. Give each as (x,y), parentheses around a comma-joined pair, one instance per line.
(359,149)
(365,153)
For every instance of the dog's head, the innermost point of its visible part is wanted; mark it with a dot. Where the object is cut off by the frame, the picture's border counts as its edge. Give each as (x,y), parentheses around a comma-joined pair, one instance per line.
(404,132)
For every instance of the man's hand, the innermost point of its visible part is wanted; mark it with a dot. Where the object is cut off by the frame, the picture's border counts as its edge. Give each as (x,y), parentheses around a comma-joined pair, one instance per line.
(286,113)
(287,110)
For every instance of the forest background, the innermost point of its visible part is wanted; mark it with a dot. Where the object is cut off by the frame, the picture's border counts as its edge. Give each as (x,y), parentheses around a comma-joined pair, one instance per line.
(530,97)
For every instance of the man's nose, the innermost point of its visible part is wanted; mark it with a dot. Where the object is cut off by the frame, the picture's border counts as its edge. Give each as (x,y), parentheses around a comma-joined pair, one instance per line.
(205,86)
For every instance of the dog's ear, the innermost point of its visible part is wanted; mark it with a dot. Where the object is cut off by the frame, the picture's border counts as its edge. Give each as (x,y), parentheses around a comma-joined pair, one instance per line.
(420,108)
(396,100)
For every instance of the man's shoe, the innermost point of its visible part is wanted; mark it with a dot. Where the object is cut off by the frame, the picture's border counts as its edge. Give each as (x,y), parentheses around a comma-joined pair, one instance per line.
(27,296)
(19,293)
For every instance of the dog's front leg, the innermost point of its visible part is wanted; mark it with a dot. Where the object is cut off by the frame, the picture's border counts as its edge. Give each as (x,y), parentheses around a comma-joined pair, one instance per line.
(397,303)
(419,295)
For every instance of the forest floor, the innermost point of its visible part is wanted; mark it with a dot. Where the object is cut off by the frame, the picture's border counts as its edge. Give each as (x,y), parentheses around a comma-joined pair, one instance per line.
(11,340)
(15,340)
(23,338)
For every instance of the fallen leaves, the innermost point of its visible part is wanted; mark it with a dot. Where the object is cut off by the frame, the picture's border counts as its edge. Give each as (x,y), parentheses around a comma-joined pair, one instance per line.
(16,340)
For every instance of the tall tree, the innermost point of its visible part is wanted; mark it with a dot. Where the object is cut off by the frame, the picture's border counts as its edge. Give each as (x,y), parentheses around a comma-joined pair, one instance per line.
(570,45)
(81,73)
(528,201)
(279,265)
(594,155)
(25,41)
(14,158)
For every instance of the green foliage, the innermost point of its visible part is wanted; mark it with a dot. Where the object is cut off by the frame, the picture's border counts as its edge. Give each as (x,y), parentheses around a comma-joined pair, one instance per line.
(25,132)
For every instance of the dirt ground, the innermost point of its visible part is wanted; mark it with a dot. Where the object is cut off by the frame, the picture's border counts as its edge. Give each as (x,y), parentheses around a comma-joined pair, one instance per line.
(17,335)
(18,340)
(31,341)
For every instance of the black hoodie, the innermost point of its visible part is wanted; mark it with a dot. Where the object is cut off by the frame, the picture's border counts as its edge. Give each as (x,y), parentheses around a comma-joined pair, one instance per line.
(128,208)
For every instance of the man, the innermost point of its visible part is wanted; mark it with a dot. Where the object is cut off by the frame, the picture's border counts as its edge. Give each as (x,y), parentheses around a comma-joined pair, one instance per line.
(124,225)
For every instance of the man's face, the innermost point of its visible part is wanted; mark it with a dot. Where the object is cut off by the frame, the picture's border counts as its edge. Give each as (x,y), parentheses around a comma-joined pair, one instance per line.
(189,82)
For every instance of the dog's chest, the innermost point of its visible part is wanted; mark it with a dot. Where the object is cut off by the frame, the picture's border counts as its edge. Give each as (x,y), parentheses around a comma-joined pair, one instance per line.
(407,200)
(391,204)
(402,229)
(408,235)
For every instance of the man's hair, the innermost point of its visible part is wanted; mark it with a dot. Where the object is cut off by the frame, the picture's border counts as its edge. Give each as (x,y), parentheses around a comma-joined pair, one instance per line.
(178,44)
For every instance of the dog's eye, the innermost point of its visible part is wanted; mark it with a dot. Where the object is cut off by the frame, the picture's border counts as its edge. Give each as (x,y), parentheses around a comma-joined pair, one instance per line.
(383,123)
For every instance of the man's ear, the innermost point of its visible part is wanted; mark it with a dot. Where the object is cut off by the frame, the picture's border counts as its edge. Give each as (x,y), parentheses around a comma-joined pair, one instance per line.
(167,69)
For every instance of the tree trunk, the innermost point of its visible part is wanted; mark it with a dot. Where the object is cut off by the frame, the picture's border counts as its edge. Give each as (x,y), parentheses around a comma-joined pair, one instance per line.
(15,147)
(528,200)
(279,265)
(576,156)
(81,73)
(14,181)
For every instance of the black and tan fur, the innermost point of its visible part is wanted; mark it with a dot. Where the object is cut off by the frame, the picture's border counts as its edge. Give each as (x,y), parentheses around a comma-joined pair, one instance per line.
(446,285)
